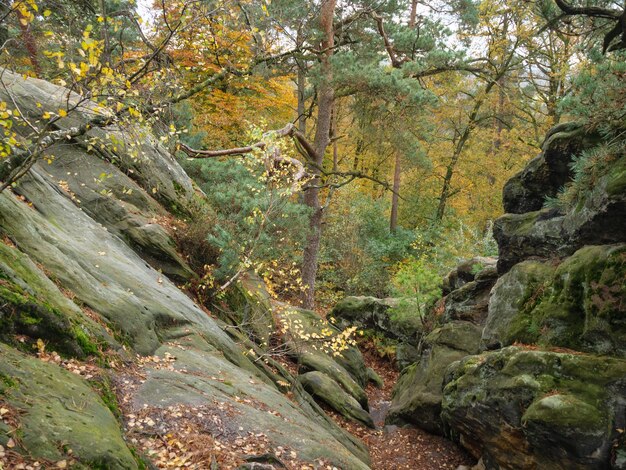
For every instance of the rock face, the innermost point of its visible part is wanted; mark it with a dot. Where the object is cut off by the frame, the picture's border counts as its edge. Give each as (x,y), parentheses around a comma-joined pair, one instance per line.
(377,316)
(418,394)
(526,409)
(370,313)
(469,301)
(58,412)
(578,305)
(549,390)
(546,174)
(93,236)
(558,401)
(599,218)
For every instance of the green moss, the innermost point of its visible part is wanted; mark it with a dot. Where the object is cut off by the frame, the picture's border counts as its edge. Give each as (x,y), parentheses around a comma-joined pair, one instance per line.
(23,314)
(6,382)
(564,411)
(616,180)
(105,390)
(581,305)
(87,345)
(142,462)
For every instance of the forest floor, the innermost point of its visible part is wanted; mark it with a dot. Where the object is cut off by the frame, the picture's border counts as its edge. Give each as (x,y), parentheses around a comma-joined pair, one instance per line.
(393,447)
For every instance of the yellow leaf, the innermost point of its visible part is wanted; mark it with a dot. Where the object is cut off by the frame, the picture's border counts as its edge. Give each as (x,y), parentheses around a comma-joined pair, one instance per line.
(47,13)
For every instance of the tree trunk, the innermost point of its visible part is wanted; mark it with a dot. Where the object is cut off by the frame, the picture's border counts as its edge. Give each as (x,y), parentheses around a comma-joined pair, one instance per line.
(325,99)
(301,83)
(393,220)
(29,43)
(413,17)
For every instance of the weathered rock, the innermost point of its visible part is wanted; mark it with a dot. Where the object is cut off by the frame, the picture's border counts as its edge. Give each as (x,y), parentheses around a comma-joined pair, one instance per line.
(247,305)
(202,379)
(469,302)
(136,151)
(511,293)
(546,174)
(327,390)
(370,313)
(34,308)
(58,411)
(395,320)
(579,305)
(419,391)
(466,272)
(598,218)
(525,409)
(537,234)
(96,256)
(113,199)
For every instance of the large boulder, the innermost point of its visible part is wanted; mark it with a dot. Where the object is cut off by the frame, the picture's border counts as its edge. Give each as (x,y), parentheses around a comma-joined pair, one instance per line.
(469,301)
(528,409)
(546,174)
(110,257)
(310,342)
(418,394)
(598,218)
(396,321)
(60,417)
(330,392)
(370,313)
(466,272)
(513,291)
(580,305)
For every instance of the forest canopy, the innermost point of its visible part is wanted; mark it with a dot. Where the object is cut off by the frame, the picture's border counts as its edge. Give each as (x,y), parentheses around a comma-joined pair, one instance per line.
(345,147)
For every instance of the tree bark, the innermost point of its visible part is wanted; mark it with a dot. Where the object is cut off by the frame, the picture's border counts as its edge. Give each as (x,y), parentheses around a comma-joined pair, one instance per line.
(325,99)
(29,43)
(393,219)
(413,16)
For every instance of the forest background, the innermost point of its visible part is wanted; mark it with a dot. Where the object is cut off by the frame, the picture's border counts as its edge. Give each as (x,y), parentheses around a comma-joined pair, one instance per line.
(346,147)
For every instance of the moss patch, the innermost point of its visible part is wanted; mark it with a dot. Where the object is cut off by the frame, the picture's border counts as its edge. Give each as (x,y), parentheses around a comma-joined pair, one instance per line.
(581,307)
(23,314)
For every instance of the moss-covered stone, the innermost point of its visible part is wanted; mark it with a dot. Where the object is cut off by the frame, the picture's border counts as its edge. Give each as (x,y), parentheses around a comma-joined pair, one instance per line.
(247,306)
(580,304)
(59,412)
(370,313)
(417,395)
(33,307)
(529,409)
(515,291)
(327,390)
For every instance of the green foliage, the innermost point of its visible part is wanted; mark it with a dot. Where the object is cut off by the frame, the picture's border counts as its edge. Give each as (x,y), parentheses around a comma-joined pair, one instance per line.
(255,225)
(358,251)
(599,95)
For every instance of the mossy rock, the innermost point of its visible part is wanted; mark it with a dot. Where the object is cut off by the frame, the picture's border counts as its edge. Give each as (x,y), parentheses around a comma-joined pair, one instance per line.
(516,290)
(33,306)
(580,305)
(533,234)
(58,411)
(330,392)
(468,271)
(247,305)
(304,330)
(529,409)
(378,315)
(546,174)
(418,394)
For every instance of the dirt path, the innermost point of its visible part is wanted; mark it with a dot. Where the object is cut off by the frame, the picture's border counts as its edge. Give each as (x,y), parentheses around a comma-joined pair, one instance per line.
(393,447)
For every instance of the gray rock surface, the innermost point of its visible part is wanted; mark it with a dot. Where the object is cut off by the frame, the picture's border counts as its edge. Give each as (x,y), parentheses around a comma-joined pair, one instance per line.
(101,241)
